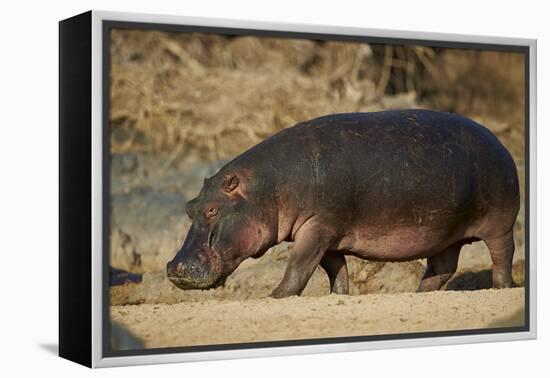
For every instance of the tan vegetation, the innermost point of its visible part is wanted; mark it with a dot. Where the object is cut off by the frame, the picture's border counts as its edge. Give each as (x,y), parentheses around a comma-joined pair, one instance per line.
(191,93)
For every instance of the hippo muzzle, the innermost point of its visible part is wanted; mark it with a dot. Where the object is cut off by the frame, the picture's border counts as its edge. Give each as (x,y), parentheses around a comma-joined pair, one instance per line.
(195,270)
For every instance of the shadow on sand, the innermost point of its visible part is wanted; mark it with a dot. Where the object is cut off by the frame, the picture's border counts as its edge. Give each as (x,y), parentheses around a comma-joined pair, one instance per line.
(471,281)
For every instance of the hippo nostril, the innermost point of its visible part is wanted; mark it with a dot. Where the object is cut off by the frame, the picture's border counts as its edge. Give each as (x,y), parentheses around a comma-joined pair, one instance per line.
(174,269)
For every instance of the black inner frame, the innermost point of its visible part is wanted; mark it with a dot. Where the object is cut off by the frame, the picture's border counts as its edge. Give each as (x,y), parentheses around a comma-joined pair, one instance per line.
(108,25)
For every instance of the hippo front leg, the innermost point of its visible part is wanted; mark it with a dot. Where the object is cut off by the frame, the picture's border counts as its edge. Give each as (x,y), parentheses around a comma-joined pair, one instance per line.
(309,248)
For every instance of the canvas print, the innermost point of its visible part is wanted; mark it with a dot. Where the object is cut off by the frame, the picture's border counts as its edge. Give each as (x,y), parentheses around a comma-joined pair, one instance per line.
(268,189)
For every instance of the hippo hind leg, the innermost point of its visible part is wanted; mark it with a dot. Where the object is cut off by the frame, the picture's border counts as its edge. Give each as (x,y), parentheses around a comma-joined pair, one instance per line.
(334,264)
(502,254)
(441,268)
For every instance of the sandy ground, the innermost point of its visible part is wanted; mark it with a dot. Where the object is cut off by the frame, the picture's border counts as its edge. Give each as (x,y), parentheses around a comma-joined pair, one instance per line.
(223,322)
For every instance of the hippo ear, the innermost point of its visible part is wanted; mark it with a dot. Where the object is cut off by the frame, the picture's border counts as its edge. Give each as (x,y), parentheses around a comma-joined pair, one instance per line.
(191,208)
(230,183)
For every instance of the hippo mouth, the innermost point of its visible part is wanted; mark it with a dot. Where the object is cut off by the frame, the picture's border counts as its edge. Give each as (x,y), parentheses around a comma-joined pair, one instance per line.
(186,284)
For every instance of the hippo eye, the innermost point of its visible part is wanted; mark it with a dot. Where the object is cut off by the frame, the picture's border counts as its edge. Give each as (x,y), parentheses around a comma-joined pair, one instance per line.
(211,212)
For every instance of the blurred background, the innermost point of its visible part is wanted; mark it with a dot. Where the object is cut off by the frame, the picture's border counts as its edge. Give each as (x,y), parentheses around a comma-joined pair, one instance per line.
(182,104)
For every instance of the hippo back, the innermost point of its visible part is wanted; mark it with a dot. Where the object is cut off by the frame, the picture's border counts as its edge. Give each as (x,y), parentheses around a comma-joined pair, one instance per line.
(388,165)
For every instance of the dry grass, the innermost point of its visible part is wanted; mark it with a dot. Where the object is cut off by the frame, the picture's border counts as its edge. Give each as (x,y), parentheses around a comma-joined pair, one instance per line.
(213,96)
(216,96)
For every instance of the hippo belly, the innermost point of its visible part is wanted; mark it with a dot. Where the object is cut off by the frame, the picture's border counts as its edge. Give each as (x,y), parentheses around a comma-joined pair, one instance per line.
(400,243)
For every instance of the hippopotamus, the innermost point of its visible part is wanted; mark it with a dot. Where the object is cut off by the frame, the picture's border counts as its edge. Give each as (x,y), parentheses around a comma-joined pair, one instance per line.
(388,186)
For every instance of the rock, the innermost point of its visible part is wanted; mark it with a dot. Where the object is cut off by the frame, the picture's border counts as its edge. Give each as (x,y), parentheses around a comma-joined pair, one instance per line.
(518,272)
(130,172)
(191,176)
(369,277)
(147,228)
(123,163)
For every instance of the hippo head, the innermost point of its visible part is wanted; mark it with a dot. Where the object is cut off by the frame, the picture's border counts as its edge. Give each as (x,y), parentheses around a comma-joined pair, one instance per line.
(227,228)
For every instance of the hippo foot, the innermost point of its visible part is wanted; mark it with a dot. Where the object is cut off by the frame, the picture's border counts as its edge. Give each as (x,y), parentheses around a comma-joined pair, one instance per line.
(279,293)
(502,279)
(440,268)
(502,254)
(287,289)
(433,283)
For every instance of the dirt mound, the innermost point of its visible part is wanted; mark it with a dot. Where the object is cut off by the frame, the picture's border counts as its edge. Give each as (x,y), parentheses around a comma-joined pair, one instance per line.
(255,279)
